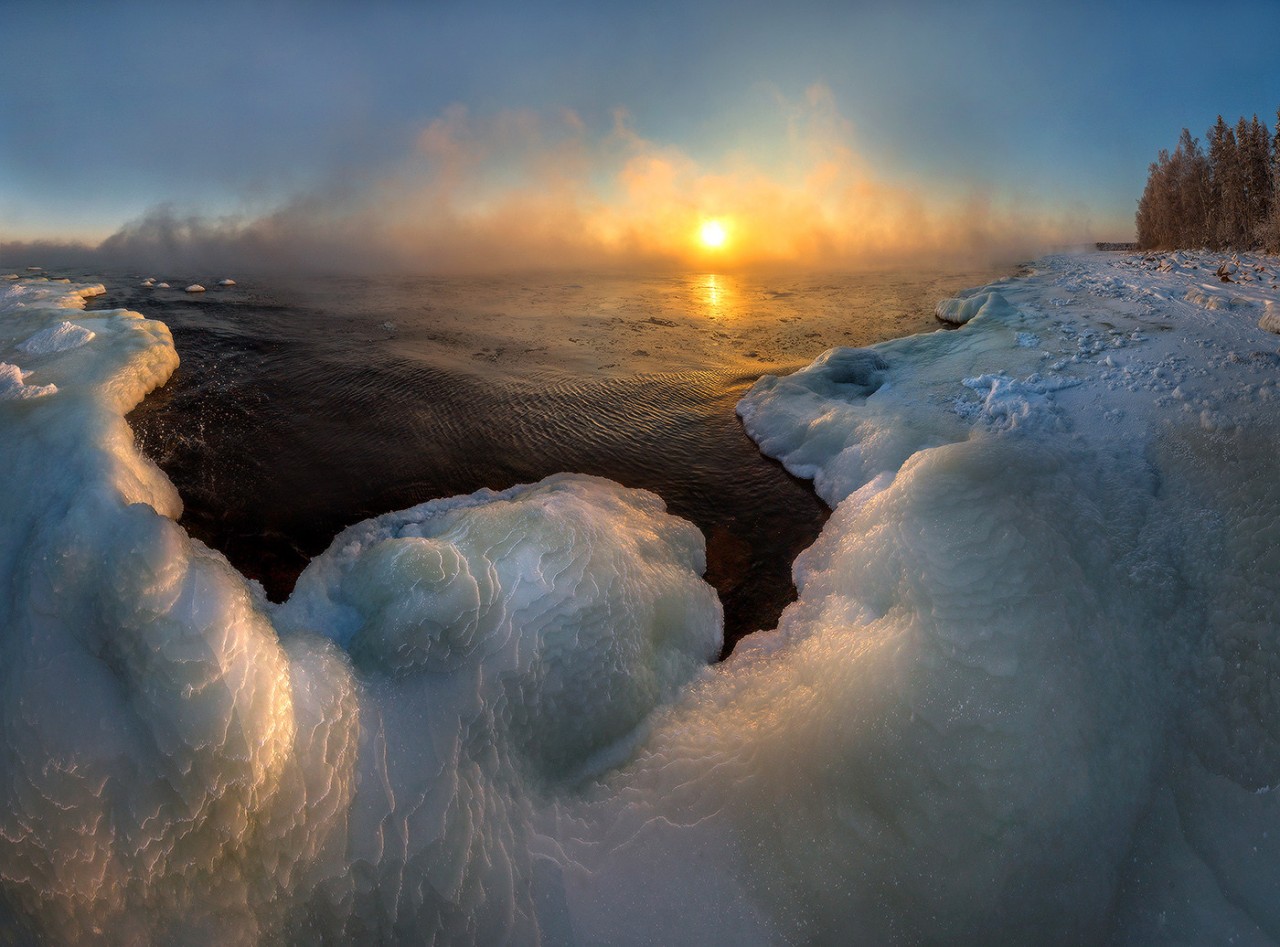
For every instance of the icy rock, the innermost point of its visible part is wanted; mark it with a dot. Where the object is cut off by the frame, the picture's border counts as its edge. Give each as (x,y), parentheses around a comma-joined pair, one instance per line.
(1270,320)
(963,309)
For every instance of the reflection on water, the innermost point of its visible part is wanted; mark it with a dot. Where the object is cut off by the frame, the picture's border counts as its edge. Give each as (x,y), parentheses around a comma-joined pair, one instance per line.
(713,296)
(302,407)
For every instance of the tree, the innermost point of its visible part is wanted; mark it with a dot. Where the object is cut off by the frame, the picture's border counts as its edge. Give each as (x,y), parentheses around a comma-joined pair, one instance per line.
(1273,232)
(1227,198)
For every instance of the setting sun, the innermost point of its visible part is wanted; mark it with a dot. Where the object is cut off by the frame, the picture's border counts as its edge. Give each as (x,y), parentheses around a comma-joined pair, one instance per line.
(712,234)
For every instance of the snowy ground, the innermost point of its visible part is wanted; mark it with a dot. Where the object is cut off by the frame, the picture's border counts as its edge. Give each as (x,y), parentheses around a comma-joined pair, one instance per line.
(1028,692)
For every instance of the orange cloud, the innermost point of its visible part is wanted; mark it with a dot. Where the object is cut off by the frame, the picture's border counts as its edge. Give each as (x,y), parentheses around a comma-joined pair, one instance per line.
(523,189)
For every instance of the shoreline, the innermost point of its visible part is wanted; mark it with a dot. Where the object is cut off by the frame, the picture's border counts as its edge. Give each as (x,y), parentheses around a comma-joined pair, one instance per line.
(1008,692)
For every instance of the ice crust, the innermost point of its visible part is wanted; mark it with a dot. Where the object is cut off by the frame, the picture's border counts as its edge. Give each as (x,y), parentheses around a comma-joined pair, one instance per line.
(1026,693)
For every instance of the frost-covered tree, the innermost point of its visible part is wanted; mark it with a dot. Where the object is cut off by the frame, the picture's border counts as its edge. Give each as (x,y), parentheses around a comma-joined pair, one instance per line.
(1228,185)
(1255,160)
(1273,231)
(1227,197)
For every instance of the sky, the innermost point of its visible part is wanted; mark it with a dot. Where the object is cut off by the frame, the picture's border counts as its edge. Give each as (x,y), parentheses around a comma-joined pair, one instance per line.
(447,134)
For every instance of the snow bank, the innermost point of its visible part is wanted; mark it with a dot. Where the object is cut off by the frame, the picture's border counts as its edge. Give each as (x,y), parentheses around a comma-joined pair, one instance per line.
(1025,693)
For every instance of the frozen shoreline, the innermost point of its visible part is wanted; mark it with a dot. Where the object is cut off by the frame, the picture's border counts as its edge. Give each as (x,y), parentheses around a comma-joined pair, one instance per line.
(1024,694)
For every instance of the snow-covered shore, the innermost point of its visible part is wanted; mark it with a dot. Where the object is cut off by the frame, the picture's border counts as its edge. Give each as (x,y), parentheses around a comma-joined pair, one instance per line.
(1027,692)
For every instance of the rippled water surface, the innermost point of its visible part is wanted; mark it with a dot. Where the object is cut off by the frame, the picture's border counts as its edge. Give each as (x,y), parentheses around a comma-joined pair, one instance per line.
(304,406)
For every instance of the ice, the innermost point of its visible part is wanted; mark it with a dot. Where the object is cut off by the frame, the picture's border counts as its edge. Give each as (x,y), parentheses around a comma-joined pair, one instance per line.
(60,338)
(226,282)
(1270,320)
(1026,693)
(962,309)
(13,386)
(195,288)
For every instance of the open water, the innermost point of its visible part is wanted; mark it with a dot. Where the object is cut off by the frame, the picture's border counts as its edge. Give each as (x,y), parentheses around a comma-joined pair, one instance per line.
(303,406)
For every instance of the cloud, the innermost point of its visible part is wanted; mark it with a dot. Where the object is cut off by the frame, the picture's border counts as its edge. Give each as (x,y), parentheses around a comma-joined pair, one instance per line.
(523,189)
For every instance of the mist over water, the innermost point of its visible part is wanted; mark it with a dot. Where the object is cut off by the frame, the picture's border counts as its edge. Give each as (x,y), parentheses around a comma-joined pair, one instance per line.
(303,406)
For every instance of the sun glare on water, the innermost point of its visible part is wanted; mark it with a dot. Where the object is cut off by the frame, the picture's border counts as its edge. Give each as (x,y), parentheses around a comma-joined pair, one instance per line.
(712,234)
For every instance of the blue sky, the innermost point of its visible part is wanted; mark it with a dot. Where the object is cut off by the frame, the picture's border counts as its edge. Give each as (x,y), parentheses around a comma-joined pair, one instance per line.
(108,110)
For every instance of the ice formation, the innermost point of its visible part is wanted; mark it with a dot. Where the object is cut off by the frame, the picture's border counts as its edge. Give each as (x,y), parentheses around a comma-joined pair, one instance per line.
(1025,695)
(195,288)
(1270,318)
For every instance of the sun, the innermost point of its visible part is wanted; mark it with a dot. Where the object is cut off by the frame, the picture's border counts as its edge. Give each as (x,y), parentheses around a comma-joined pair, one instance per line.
(712,234)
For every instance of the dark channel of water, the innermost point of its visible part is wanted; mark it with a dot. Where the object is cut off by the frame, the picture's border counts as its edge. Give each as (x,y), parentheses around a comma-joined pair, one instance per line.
(303,406)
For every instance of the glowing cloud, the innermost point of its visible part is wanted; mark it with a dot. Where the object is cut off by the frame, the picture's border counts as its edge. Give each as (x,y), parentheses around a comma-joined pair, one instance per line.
(521,189)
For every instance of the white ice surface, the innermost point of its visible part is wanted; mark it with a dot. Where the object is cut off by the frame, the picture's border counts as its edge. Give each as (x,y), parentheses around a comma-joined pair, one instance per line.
(1026,693)
(60,338)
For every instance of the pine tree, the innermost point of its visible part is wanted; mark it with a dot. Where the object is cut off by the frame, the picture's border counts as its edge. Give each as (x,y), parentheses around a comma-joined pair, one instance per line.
(1192,192)
(1224,170)
(1255,154)
(1228,197)
(1273,235)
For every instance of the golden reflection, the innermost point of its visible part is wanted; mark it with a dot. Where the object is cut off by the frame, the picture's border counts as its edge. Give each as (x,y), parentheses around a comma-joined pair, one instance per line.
(720,296)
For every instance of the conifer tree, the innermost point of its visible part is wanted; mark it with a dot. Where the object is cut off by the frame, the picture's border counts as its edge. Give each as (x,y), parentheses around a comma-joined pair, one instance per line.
(1273,232)
(1227,197)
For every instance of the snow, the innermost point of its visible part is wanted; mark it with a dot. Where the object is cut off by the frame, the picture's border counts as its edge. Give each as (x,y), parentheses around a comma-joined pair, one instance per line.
(1025,694)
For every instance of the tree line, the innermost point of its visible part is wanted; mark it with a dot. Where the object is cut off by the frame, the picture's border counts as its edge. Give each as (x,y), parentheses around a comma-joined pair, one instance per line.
(1227,197)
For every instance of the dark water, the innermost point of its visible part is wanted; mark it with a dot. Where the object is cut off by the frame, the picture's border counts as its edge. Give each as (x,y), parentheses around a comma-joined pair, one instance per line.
(304,406)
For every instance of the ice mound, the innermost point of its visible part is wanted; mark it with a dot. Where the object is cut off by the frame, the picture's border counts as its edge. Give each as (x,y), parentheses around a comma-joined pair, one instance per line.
(13,386)
(195,288)
(367,760)
(1102,500)
(226,282)
(1025,693)
(60,338)
(962,309)
(1270,320)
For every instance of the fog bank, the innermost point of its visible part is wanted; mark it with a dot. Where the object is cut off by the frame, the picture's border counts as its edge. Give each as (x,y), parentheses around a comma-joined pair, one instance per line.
(532,190)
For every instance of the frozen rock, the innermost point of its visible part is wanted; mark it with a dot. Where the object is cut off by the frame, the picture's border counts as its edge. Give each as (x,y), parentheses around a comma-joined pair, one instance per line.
(961,310)
(1270,318)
